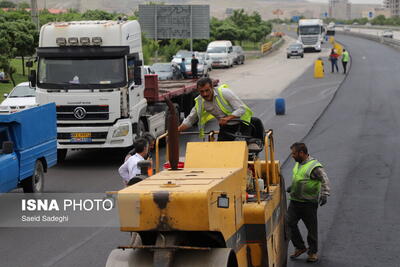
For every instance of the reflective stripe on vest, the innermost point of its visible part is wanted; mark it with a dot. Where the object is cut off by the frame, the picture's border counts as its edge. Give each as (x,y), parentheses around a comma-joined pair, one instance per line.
(223,104)
(305,189)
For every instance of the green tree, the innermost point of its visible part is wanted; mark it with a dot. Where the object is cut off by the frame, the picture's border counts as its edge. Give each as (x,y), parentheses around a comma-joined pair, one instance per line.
(7,4)
(97,15)
(23,5)
(17,38)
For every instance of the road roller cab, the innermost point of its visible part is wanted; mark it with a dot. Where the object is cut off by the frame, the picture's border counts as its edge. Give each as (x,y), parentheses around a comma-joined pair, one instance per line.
(220,210)
(211,213)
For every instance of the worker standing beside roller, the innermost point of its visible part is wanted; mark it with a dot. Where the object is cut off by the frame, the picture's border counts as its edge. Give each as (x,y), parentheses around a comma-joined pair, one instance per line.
(221,104)
(310,187)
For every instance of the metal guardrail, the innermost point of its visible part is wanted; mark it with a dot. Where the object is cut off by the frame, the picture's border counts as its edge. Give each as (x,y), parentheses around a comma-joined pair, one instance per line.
(387,41)
(266,47)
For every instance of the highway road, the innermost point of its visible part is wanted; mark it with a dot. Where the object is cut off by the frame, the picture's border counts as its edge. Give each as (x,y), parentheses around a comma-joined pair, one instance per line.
(356,138)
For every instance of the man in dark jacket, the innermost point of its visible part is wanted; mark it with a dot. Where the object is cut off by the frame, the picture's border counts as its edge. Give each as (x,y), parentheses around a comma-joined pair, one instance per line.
(194,62)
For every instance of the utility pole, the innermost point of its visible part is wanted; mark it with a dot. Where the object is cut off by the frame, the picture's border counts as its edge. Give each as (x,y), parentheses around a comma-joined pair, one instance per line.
(35,14)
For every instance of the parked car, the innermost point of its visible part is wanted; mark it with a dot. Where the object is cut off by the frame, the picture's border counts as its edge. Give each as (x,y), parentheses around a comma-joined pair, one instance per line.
(387,34)
(166,71)
(186,54)
(239,55)
(346,28)
(295,50)
(21,97)
(206,58)
(202,69)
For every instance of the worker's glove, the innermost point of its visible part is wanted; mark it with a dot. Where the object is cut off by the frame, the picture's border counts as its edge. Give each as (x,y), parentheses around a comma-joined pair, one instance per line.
(323,200)
(289,189)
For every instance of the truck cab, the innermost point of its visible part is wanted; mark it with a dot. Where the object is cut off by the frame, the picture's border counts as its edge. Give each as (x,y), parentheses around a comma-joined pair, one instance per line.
(92,70)
(28,148)
(311,33)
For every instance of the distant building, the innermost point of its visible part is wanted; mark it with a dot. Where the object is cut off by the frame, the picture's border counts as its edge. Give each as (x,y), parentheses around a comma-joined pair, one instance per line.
(339,9)
(374,12)
(393,6)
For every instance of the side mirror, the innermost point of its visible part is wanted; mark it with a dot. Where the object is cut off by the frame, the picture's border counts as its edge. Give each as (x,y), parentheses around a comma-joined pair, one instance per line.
(8,147)
(5,95)
(32,78)
(29,64)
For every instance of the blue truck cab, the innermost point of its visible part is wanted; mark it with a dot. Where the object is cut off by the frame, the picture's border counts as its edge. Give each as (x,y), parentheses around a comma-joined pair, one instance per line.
(28,147)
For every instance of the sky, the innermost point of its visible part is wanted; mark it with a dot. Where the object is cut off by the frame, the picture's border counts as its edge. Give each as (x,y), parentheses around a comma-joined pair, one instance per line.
(353,1)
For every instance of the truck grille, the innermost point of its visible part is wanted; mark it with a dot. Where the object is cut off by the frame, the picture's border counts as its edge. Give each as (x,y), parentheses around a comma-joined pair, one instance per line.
(309,40)
(82,113)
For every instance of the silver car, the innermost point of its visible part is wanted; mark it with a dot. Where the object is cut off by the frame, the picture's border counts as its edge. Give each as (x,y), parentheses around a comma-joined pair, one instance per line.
(295,50)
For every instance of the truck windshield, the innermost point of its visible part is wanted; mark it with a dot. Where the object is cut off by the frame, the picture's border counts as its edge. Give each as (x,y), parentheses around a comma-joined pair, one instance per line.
(216,50)
(78,73)
(310,30)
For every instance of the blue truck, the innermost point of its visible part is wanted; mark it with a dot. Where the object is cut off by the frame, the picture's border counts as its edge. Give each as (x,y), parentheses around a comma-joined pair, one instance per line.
(28,142)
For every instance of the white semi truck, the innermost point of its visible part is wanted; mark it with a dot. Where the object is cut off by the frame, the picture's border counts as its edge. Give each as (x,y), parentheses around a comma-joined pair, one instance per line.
(92,70)
(311,33)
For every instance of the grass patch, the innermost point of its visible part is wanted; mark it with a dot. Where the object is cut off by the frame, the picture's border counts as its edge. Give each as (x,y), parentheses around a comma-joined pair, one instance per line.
(18,77)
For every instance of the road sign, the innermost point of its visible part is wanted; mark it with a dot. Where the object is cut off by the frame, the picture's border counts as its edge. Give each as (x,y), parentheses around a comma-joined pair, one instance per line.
(370,14)
(175,21)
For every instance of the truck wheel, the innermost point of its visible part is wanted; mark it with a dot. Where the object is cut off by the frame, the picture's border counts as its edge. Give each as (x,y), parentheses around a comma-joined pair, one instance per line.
(34,184)
(61,155)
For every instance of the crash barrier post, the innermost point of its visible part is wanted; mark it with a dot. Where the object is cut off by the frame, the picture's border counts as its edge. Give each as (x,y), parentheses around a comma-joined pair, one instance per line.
(318,69)
(338,48)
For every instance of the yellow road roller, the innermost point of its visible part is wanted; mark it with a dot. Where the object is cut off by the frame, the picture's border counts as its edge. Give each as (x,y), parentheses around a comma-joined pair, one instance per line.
(225,208)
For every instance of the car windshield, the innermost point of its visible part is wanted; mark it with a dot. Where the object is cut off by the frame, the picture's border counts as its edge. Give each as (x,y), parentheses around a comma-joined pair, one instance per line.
(80,72)
(216,50)
(295,46)
(160,67)
(310,30)
(22,91)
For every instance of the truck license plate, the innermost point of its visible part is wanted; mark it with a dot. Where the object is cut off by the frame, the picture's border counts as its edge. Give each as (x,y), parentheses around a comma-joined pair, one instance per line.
(81,137)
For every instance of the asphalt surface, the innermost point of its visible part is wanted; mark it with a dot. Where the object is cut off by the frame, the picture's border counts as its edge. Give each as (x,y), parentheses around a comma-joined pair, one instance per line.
(357,140)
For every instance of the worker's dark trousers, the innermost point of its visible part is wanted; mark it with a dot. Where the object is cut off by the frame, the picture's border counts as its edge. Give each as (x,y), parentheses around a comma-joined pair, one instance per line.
(307,212)
(227,132)
(344,66)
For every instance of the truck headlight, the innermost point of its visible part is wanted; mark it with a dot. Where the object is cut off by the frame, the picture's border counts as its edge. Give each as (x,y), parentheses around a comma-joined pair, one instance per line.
(122,130)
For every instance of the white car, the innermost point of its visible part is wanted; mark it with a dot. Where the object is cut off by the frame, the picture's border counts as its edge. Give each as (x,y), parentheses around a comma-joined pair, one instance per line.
(387,34)
(206,58)
(21,97)
(202,68)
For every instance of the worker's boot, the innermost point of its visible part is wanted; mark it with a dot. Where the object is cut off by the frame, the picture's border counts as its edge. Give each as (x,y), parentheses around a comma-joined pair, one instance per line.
(312,257)
(298,252)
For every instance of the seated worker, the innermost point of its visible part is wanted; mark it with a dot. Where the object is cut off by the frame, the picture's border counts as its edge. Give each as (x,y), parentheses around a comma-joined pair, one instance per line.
(151,141)
(129,169)
(221,104)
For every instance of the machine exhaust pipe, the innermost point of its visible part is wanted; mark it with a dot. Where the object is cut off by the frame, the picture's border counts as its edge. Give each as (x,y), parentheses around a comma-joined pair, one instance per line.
(173,136)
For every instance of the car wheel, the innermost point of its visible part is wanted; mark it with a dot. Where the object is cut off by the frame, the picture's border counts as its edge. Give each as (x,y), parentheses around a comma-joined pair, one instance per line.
(34,184)
(302,55)
(288,56)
